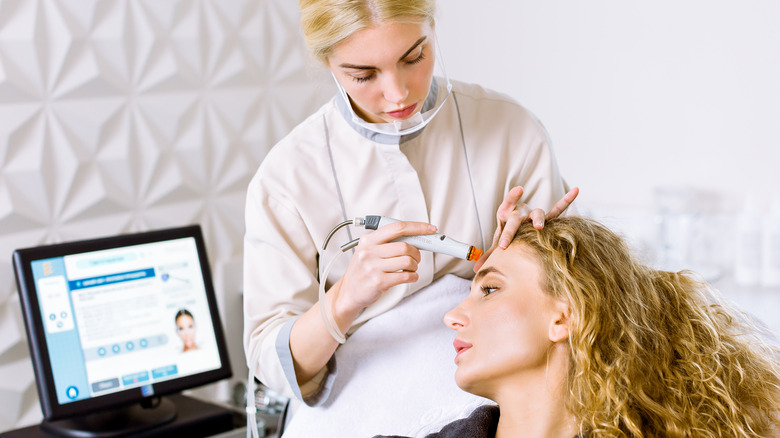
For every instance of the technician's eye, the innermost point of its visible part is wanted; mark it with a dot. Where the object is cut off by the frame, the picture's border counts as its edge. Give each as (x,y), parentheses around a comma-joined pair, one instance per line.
(362,79)
(417,59)
(487,289)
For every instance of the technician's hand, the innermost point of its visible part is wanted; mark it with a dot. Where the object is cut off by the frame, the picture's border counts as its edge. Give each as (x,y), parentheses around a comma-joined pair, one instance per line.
(379,264)
(511,213)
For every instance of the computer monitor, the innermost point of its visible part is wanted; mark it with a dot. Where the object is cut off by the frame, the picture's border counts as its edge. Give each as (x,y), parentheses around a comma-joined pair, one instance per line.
(114,323)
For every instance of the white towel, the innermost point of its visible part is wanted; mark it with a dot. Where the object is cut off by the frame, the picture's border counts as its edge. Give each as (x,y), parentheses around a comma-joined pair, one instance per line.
(395,373)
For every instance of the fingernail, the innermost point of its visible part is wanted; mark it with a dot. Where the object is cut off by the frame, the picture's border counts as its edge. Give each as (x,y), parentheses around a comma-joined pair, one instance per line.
(431,227)
(503,243)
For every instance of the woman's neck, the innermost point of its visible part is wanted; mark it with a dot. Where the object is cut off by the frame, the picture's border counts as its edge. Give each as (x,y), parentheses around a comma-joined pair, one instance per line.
(545,420)
(534,407)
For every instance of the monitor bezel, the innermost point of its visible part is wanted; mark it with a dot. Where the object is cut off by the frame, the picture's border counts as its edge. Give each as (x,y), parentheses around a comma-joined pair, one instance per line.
(39,349)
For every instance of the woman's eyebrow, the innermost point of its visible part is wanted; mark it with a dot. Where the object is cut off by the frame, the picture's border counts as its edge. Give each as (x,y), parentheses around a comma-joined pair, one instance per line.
(369,67)
(483,272)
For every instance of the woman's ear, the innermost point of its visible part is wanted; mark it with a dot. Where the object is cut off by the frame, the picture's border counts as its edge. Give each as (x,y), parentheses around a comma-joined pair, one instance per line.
(561,321)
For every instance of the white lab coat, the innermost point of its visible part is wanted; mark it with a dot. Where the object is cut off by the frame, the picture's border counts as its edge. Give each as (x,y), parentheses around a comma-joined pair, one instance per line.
(295,200)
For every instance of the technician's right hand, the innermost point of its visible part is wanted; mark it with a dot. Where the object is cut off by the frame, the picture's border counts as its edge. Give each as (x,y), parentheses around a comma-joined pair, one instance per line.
(379,264)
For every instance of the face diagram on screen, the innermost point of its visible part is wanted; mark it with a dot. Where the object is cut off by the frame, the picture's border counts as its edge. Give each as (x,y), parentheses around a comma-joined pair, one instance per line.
(122,317)
(185,327)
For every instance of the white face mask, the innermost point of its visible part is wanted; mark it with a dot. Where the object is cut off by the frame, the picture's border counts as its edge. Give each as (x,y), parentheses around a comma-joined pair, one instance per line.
(405,126)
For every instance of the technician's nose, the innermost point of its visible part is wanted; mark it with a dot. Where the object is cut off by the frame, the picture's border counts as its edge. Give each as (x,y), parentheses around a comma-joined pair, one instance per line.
(395,89)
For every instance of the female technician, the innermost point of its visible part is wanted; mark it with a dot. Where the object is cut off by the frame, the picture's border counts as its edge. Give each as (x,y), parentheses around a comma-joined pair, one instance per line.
(395,141)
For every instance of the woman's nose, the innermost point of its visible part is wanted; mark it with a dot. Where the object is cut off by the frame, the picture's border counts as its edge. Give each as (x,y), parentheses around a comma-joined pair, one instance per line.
(456,318)
(395,89)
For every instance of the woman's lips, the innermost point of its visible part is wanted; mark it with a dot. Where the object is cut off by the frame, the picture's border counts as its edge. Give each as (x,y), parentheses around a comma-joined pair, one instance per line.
(460,347)
(402,113)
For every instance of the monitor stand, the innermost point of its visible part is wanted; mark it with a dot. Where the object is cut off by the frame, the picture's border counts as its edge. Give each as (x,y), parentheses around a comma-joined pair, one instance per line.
(123,421)
(195,418)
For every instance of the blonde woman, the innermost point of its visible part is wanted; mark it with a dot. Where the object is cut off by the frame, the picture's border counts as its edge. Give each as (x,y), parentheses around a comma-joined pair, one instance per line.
(571,336)
(394,141)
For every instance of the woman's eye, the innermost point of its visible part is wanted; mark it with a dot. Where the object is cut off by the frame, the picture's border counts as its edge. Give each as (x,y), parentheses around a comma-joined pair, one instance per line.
(487,290)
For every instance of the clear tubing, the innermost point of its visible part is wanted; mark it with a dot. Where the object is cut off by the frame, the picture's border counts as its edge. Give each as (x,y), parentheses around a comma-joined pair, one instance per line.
(251,407)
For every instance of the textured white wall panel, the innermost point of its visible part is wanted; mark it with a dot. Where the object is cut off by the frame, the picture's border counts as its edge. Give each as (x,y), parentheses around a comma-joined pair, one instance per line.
(127,115)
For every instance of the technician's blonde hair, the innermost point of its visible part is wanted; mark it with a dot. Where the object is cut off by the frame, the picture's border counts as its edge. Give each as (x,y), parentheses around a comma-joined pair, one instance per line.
(654,353)
(327,22)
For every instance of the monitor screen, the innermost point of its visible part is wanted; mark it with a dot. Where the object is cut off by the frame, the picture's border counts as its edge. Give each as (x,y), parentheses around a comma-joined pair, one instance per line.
(117,320)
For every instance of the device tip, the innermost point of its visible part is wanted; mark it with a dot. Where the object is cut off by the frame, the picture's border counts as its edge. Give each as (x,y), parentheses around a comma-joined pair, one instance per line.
(474,254)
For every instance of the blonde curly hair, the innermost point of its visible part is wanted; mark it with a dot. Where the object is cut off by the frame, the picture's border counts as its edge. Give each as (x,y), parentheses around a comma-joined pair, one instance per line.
(654,353)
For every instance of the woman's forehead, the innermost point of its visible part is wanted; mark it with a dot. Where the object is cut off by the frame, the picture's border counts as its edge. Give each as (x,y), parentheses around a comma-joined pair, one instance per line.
(518,256)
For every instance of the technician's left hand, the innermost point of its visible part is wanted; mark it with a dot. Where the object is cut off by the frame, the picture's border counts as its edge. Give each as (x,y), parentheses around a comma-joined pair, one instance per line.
(511,214)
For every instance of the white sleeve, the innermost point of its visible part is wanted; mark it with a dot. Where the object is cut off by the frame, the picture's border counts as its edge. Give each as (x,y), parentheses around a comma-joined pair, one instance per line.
(315,391)
(543,184)
(279,282)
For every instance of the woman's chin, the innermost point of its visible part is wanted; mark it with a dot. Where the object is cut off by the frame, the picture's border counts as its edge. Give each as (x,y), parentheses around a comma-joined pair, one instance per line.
(473,384)
(463,381)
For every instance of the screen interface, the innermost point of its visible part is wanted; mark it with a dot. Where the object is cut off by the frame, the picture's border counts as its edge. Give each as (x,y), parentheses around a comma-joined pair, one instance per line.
(125,317)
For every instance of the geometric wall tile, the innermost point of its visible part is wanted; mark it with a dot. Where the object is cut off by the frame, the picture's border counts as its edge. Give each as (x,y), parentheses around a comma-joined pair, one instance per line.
(10,406)
(7,283)
(29,410)
(119,117)
(14,362)
(11,326)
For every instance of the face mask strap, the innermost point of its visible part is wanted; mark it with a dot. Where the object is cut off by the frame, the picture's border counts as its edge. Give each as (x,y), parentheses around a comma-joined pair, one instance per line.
(440,59)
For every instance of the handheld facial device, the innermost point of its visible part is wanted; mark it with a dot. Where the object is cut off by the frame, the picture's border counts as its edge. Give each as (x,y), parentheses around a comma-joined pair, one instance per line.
(429,242)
